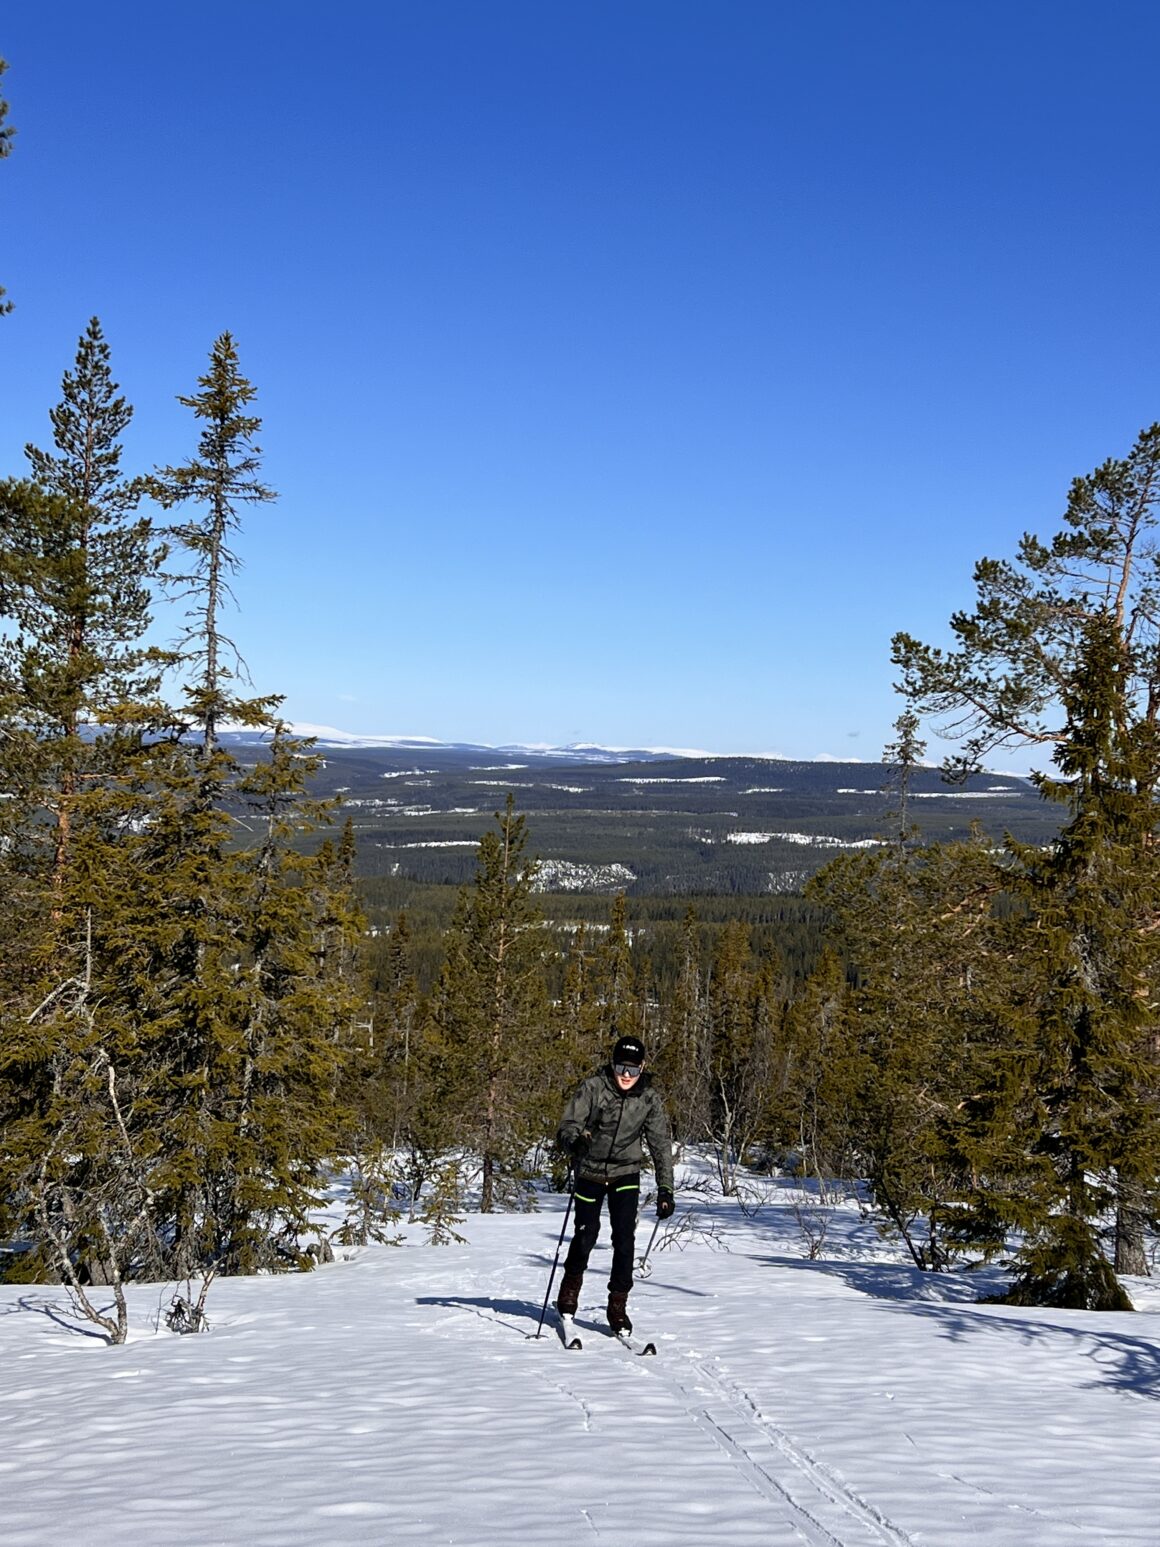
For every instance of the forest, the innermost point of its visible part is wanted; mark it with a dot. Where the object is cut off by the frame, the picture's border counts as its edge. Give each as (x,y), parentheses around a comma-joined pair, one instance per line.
(211,1004)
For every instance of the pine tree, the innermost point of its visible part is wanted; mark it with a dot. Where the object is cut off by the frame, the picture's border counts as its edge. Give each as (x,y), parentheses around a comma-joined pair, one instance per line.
(1002,686)
(1061,652)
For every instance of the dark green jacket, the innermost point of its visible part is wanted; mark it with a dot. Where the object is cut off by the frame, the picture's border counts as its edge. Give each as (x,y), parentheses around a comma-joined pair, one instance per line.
(621,1123)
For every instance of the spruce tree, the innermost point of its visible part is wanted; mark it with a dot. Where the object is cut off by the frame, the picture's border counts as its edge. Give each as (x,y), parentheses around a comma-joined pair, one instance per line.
(217,480)
(683,1057)
(490,1015)
(819,1077)
(1080,1064)
(254,938)
(742,1010)
(77,695)
(622,1013)
(918,926)
(75,574)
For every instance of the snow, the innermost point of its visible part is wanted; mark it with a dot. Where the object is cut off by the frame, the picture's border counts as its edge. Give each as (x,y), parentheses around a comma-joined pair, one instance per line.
(396,1397)
(809,840)
(565,875)
(958,794)
(434,843)
(505,784)
(674,779)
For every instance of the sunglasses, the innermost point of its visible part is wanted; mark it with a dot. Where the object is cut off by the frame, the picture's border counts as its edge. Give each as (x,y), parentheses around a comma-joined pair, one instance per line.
(630,1071)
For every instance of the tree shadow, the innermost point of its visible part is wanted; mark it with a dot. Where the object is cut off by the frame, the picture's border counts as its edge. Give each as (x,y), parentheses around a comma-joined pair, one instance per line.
(1124,1361)
(54,1313)
(892,1280)
(488,1308)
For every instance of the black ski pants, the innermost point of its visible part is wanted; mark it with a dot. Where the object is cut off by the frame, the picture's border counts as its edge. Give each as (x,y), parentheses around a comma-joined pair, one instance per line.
(623,1194)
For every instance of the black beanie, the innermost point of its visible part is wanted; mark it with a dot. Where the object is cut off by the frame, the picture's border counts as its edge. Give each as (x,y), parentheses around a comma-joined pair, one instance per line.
(628,1050)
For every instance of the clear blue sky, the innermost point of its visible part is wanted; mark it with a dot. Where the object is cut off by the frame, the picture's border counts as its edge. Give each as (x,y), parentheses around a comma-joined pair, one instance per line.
(631,369)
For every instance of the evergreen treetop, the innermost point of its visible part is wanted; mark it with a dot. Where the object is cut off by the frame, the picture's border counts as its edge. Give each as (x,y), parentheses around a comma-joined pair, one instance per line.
(7,133)
(220,478)
(1002,686)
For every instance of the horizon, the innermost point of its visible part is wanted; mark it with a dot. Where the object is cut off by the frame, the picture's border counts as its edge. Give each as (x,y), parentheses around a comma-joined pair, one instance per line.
(372,739)
(632,375)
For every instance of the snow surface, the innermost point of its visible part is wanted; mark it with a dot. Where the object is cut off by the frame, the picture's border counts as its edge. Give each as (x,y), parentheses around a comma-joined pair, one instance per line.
(396,1397)
(565,875)
(674,779)
(808,840)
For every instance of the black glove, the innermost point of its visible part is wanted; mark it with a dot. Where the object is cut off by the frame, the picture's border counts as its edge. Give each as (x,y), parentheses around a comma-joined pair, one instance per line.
(665,1203)
(579,1146)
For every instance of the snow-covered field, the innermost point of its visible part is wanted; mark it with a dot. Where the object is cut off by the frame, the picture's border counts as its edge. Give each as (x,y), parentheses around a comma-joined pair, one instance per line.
(395,1397)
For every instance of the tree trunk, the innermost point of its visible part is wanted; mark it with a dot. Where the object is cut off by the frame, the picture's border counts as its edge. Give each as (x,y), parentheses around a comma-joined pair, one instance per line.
(1131,1223)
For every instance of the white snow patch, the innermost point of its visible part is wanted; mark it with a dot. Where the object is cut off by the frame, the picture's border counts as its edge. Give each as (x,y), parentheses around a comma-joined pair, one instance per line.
(690,779)
(565,875)
(809,840)
(435,843)
(958,794)
(353,739)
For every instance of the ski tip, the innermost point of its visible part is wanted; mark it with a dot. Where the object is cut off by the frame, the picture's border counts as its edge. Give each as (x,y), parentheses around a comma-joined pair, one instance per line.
(649,1348)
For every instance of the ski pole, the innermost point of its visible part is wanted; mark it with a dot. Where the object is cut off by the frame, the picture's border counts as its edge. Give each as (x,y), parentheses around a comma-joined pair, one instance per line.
(556,1260)
(642,1268)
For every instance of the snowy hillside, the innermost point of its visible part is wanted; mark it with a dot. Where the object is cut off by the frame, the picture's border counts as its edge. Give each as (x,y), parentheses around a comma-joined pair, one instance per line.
(395,1398)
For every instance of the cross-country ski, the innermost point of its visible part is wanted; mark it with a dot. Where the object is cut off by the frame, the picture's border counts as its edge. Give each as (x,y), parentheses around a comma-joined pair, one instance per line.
(568,1334)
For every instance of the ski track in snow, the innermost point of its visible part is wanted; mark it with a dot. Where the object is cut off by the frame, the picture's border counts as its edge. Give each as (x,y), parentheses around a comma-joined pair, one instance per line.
(397,1398)
(825,1514)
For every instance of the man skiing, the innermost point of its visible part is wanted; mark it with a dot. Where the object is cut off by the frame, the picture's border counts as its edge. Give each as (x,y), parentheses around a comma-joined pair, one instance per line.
(603,1126)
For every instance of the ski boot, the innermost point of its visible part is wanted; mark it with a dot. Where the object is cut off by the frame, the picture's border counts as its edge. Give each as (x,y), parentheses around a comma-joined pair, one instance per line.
(568,1299)
(618,1310)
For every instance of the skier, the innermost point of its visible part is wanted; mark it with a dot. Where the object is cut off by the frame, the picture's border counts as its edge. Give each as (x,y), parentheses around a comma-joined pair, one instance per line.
(602,1129)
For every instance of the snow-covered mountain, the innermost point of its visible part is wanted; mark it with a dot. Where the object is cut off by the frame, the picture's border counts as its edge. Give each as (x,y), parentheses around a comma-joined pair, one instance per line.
(327,736)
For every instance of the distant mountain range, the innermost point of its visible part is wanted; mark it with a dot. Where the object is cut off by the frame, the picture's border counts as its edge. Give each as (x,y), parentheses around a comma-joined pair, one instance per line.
(643,820)
(326,736)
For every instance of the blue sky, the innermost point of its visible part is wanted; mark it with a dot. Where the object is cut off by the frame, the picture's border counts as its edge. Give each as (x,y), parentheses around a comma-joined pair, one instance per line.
(630,370)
